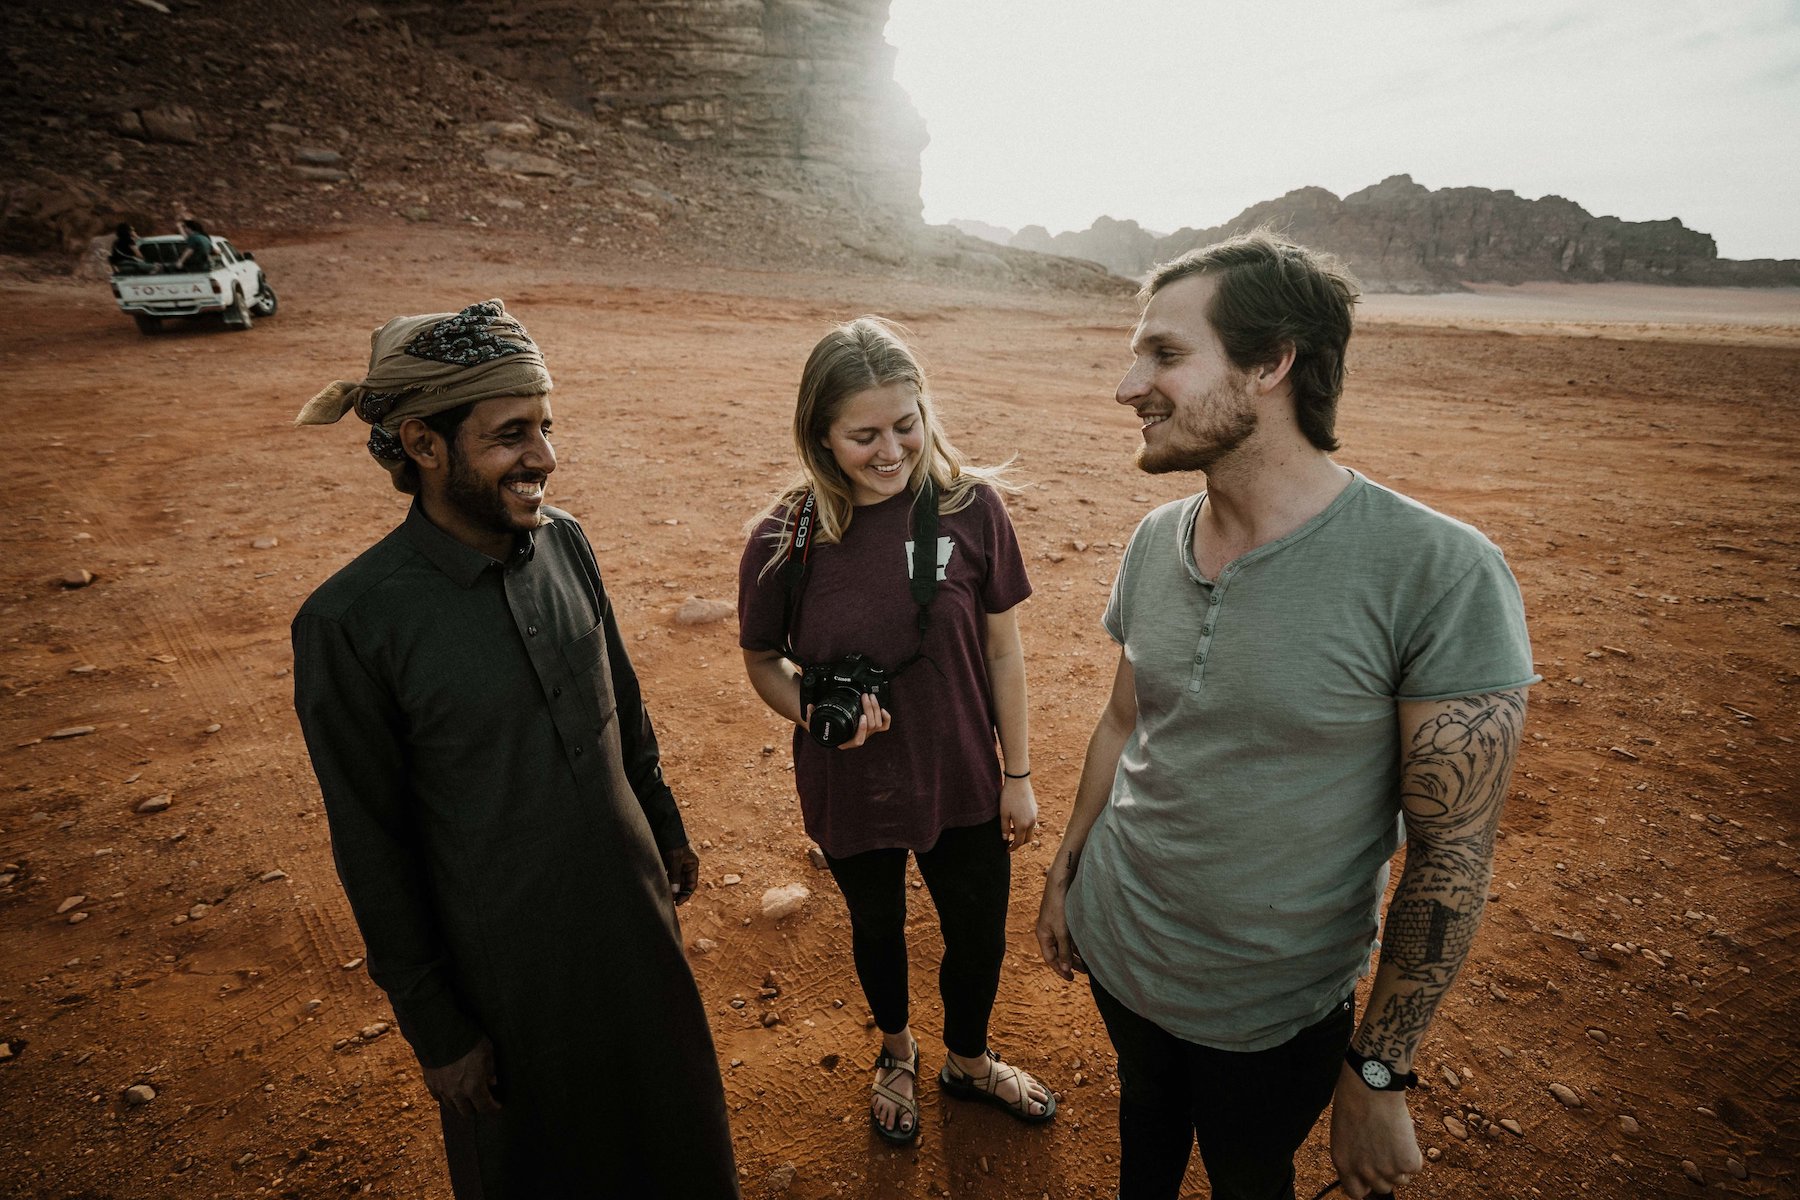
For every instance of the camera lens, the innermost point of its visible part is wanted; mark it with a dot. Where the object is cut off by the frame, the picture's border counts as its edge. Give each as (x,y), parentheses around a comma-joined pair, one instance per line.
(834,716)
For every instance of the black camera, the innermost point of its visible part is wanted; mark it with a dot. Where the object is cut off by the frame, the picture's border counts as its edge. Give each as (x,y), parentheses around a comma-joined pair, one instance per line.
(835,691)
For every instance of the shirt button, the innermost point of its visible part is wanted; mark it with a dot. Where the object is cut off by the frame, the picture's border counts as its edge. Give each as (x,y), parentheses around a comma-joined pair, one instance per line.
(531,630)
(555,692)
(1206,630)
(1215,598)
(578,752)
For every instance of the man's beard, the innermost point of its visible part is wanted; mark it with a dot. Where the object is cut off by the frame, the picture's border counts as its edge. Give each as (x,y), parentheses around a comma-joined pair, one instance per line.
(1200,449)
(479,502)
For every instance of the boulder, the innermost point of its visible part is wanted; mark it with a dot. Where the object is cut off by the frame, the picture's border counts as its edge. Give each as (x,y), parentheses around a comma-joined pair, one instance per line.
(174,123)
(518,162)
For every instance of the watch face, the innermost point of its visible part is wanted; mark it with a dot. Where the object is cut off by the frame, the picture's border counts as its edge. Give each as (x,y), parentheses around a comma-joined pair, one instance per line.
(1376,1075)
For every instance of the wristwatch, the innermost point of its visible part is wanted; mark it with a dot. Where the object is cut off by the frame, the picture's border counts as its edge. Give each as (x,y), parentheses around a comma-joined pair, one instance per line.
(1378,1075)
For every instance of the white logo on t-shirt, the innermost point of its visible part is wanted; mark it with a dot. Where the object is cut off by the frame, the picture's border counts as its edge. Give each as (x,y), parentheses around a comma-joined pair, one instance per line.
(945,548)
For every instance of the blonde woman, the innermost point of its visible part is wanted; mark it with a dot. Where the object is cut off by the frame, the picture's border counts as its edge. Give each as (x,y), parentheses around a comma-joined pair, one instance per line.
(895,750)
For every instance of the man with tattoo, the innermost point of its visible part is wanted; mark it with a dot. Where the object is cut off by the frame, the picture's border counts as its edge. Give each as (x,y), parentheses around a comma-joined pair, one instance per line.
(1311,666)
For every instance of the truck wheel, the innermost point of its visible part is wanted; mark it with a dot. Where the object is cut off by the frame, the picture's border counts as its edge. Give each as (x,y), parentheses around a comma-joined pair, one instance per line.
(265,302)
(238,315)
(147,325)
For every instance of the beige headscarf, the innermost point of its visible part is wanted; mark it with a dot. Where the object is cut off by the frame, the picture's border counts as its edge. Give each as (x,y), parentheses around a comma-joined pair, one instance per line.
(427,364)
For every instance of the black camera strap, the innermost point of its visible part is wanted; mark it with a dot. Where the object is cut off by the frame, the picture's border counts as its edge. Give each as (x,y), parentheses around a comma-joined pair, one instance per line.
(922,582)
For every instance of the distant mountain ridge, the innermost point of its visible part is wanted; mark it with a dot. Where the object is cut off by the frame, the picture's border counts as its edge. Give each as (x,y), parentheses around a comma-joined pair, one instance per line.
(1400,236)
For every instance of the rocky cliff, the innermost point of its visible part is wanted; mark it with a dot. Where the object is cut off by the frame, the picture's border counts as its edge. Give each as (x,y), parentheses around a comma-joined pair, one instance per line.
(802,87)
(1401,236)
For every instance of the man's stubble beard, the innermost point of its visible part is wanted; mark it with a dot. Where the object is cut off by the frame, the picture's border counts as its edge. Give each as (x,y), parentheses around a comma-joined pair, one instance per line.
(479,503)
(1205,448)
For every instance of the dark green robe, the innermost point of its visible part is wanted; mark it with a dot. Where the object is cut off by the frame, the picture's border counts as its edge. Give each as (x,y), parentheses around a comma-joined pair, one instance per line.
(498,817)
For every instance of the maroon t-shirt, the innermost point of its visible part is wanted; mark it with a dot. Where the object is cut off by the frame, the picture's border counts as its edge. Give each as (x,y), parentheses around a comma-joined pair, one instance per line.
(935,768)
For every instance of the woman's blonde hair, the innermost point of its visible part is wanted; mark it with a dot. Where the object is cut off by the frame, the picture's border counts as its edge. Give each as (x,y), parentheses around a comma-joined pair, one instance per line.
(855,357)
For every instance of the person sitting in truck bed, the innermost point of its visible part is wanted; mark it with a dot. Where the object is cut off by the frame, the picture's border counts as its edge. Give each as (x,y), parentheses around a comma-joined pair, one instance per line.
(125,258)
(199,253)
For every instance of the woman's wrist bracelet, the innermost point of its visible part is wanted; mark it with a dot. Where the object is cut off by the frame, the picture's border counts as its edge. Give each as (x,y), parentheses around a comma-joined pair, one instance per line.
(1010,775)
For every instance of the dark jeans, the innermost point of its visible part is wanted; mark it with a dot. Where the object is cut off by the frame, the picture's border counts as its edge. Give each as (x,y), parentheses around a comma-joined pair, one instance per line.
(969,874)
(1249,1111)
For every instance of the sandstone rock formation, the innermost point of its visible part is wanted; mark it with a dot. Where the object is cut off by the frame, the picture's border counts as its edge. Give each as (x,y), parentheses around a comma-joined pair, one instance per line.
(1400,236)
(803,87)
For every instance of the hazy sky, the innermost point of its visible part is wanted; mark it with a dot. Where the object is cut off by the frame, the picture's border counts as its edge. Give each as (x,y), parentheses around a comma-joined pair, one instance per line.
(1185,112)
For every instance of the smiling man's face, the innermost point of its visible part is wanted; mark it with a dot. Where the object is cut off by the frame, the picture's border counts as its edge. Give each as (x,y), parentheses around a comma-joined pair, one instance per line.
(1195,406)
(500,460)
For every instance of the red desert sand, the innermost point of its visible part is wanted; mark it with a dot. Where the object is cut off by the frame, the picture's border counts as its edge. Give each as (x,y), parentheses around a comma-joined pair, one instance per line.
(198,1023)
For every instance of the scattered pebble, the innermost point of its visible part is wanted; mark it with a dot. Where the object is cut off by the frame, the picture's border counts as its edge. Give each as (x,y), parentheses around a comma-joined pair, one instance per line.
(69,903)
(139,1093)
(1736,1168)
(816,857)
(1692,1171)
(784,901)
(1432,1154)
(1565,1095)
(213,728)
(695,611)
(704,946)
(1511,1126)
(771,1019)
(1628,1125)
(266,542)
(313,1006)
(782,1178)
(76,918)
(73,731)
(369,1033)
(80,577)
(155,804)
(1451,1077)
(733,880)
(198,911)
(272,876)
(1456,1129)
(352,964)
(1599,1035)
(83,669)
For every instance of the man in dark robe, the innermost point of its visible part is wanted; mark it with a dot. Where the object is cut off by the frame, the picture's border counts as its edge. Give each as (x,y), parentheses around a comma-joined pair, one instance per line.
(497,808)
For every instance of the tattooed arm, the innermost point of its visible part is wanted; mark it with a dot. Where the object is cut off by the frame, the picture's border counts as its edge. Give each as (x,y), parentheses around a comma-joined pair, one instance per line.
(1108,741)
(1456,763)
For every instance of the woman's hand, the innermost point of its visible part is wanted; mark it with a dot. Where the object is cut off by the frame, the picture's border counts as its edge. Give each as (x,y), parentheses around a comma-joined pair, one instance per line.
(1018,813)
(874,719)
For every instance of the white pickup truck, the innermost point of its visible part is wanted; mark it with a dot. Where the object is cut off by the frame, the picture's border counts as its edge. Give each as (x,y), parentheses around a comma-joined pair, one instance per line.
(232,284)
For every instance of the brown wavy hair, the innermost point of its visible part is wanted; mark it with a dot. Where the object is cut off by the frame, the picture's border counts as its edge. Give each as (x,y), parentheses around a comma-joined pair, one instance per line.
(859,355)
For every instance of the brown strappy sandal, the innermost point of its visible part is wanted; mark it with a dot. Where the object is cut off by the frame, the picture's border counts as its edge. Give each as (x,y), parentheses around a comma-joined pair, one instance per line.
(986,1088)
(907,1105)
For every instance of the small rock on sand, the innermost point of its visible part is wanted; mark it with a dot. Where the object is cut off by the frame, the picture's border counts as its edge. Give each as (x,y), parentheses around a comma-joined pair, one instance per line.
(69,903)
(80,577)
(695,611)
(139,1093)
(1565,1095)
(369,1033)
(154,804)
(784,901)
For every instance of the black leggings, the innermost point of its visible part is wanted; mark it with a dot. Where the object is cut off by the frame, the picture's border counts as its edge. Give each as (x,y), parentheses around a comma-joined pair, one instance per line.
(969,874)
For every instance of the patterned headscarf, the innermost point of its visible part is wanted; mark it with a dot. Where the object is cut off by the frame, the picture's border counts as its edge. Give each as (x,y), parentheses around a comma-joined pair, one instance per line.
(427,364)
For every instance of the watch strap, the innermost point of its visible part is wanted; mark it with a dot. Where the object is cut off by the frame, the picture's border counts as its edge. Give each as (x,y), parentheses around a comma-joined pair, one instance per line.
(1377,1075)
